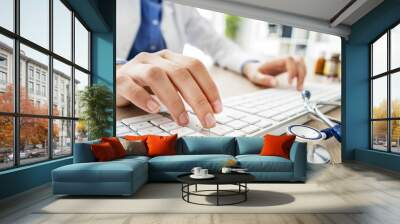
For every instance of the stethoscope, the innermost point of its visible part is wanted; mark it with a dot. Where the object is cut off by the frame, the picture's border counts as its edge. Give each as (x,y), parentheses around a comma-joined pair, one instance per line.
(308,134)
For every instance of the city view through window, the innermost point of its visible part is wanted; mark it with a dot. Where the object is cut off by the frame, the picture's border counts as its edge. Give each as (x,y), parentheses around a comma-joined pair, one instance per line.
(40,81)
(385,82)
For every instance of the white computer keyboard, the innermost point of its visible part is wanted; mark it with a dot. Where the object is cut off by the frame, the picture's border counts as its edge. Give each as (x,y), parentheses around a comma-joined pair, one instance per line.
(265,111)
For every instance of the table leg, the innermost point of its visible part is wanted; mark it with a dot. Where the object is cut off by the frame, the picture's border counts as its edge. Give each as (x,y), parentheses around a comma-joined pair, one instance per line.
(195,188)
(245,193)
(217,194)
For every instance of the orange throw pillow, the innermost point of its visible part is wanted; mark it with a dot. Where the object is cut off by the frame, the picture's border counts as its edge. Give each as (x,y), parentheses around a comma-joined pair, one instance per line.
(103,152)
(116,145)
(161,145)
(277,145)
(136,137)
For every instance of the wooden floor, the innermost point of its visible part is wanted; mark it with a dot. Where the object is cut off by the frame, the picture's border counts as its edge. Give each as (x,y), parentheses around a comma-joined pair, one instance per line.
(379,189)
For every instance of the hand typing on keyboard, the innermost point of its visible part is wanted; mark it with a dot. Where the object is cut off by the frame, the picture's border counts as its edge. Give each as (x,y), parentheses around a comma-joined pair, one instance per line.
(265,111)
(264,73)
(169,76)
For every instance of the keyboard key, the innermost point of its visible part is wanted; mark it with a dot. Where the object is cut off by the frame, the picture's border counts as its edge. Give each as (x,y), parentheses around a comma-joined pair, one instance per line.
(141,125)
(279,117)
(250,129)
(123,129)
(251,119)
(236,133)
(129,133)
(169,126)
(150,131)
(251,110)
(221,130)
(234,114)
(137,119)
(160,121)
(182,131)
(197,134)
(268,113)
(263,124)
(164,133)
(237,124)
(223,119)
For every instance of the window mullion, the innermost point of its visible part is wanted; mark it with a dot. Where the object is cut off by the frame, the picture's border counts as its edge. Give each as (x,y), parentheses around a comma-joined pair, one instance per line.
(16,84)
(50,81)
(73,82)
(389,101)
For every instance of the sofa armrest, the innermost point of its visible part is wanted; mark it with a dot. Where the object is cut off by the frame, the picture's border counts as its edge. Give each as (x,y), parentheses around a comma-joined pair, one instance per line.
(83,152)
(298,155)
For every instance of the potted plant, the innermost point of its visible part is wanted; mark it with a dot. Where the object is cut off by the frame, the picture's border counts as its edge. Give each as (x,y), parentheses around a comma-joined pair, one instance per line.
(232,24)
(96,103)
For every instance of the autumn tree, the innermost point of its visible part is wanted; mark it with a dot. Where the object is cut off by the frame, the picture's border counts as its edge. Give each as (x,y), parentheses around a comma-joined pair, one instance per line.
(33,131)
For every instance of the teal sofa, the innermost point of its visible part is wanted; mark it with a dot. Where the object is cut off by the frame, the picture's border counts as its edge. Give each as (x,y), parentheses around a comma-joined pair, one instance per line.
(125,176)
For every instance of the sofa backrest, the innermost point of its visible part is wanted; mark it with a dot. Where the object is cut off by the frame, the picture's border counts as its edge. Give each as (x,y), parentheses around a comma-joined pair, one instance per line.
(192,145)
(249,145)
(83,153)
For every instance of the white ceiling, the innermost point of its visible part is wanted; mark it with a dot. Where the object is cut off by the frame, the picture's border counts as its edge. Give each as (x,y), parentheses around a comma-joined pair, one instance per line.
(321,9)
(315,15)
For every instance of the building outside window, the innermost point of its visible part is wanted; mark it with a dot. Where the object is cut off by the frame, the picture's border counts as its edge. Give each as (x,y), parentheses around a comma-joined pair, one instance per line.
(385,93)
(30,72)
(56,128)
(30,87)
(3,78)
(3,72)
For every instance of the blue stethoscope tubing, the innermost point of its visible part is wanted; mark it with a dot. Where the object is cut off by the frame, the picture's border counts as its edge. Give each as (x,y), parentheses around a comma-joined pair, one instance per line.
(324,134)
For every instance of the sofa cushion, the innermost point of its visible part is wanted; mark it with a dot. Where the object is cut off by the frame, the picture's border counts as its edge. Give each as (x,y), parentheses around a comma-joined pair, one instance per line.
(161,145)
(191,145)
(257,163)
(185,163)
(83,152)
(134,147)
(248,145)
(103,152)
(112,171)
(116,145)
(277,145)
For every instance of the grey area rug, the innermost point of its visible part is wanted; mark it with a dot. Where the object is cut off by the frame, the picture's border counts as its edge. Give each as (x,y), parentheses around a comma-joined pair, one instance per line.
(166,198)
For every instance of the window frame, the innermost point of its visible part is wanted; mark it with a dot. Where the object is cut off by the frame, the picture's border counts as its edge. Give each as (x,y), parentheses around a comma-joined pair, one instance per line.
(388,74)
(16,114)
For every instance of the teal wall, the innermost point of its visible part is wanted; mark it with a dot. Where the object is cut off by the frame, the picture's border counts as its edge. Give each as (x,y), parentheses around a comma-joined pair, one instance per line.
(24,178)
(355,85)
(103,58)
(99,16)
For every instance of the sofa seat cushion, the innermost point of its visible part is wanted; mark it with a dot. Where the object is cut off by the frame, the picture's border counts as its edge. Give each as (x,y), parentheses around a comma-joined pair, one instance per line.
(185,163)
(113,171)
(193,145)
(257,163)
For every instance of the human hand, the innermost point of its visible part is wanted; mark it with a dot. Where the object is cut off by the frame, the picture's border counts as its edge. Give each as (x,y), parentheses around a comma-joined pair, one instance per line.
(169,76)
(264,74)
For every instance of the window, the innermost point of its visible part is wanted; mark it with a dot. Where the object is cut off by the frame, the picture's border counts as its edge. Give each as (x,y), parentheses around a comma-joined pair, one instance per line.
(44,91)
(30,72)
(3,61)
(44,123)
(37,90)
(30,87)
(7,74)
(34,22)
(81,45)
(385,94)
(7,14)
(3,78)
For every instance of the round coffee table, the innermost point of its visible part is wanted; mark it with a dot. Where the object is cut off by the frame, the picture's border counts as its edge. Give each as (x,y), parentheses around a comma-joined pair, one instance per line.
(238,179)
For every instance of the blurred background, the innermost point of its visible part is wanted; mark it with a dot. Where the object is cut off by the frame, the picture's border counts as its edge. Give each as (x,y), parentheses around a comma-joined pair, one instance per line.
(268,40)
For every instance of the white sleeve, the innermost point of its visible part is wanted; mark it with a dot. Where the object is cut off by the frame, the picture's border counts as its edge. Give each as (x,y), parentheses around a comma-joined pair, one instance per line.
(201,34)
